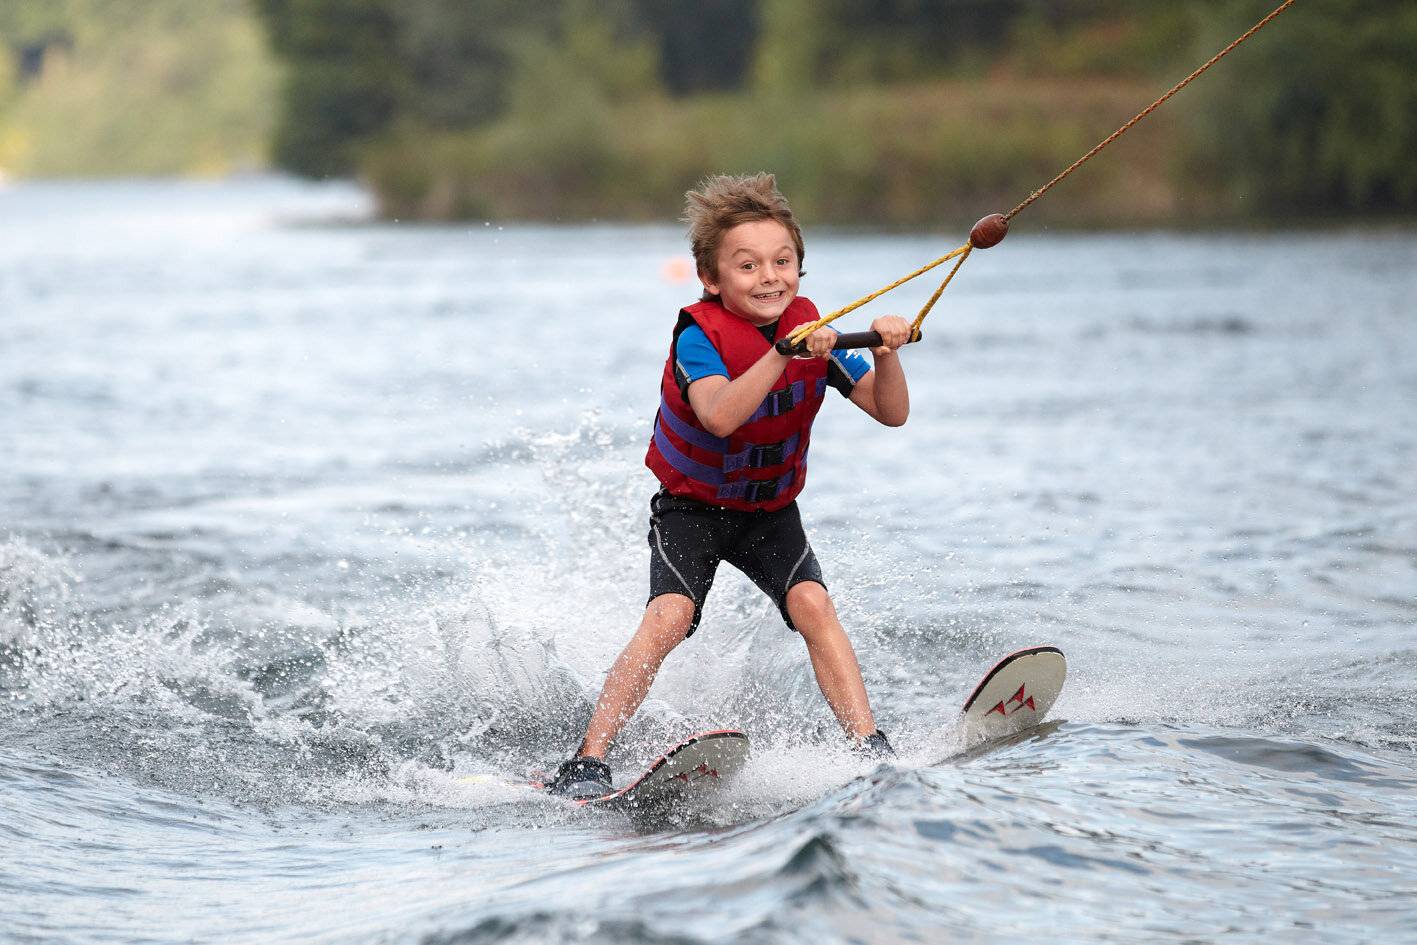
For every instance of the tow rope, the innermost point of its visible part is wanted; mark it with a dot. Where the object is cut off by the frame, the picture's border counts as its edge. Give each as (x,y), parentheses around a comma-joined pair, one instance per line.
(991,230)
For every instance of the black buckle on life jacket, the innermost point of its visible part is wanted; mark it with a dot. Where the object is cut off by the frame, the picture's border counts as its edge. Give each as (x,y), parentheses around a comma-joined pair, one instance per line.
(768,454)
(761,490)
(781,402)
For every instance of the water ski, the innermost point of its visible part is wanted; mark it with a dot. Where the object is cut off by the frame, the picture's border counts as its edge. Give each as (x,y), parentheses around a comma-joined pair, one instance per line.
(693,768)
(689,770)
(1015,695)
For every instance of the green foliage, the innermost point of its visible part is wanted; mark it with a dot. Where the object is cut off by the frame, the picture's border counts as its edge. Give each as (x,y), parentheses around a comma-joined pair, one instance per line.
(789,49)
(559,126)
(23,22)
(344,85)
(703,45)
(1317,114)
(928,156)
(165,86)
(903,40)
(892,110)
(583,65)
(363,69)
(1108,39)
(458,54)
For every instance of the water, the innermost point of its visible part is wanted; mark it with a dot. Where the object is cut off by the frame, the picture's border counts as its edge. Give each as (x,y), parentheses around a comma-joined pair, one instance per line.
(302,518)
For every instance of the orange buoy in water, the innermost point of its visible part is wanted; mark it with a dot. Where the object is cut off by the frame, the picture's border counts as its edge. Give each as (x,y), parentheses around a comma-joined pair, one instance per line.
(677,270)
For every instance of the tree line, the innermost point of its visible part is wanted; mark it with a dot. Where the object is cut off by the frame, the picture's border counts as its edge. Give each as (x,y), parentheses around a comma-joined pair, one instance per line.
(1317,114)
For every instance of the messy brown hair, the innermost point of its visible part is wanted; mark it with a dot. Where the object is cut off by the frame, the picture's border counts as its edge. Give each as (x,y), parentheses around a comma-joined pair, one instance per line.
(722,202)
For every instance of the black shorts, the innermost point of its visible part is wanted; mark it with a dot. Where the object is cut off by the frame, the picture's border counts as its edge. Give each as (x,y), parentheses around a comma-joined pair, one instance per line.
(687,540)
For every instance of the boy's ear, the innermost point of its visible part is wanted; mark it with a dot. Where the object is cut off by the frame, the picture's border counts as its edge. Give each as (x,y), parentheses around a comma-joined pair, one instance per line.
(709,282)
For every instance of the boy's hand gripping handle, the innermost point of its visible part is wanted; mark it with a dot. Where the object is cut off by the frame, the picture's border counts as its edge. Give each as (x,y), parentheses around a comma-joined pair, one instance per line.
(850,339)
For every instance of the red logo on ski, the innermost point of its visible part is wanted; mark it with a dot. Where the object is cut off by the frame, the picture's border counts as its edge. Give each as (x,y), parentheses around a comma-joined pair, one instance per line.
(1015,702)
(701,771)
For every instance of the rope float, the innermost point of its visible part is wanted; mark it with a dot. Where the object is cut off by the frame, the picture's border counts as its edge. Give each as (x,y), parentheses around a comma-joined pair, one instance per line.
(991,230)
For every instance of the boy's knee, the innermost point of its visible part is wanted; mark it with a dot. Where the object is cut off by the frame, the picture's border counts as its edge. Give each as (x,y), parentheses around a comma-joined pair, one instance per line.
(809,606)
(670,616)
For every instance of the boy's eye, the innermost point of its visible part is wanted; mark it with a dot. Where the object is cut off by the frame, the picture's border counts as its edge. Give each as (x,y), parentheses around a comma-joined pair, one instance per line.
(783,261)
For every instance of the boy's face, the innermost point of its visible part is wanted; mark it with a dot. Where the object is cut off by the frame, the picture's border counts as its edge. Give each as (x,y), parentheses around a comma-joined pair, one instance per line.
(757,271)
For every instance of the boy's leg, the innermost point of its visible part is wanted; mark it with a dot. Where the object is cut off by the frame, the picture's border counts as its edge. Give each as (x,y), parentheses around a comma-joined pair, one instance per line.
(833,659)
(666,623)
(684,538)
(775,554)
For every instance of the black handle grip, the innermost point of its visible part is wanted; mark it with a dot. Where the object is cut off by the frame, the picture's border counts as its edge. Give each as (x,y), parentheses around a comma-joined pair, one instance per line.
(850,339)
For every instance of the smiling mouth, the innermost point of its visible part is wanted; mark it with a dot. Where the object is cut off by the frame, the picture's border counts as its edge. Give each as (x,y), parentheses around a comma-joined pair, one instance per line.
(769,296)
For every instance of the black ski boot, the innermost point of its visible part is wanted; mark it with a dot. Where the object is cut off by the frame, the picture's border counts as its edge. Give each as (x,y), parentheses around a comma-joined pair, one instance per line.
(581,779)
(876,747)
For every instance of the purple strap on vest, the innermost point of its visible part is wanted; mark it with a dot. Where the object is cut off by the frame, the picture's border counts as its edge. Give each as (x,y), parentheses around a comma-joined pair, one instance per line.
(701,472)
(773,404)
(758,456)
(753,457)
(703,439)
(758,490)
(753,490)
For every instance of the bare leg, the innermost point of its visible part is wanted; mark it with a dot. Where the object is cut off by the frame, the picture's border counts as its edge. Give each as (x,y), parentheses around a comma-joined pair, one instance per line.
(833,659)
(666,622)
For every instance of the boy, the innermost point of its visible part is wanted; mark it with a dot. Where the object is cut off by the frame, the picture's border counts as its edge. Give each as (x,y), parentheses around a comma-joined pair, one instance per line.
(730,448)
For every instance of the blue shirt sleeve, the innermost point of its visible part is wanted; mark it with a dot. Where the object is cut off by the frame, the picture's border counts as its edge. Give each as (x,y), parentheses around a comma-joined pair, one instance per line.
(844,369)
(695,358)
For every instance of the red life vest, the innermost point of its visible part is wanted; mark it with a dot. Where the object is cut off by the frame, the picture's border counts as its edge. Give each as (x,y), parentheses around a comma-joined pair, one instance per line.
(763,463)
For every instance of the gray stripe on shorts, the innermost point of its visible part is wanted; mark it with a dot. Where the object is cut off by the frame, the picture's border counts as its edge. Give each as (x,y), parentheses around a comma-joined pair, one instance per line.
(806,550)
(659,546)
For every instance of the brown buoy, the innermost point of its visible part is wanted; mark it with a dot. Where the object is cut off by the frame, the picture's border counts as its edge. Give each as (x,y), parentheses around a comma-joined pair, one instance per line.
(989,231)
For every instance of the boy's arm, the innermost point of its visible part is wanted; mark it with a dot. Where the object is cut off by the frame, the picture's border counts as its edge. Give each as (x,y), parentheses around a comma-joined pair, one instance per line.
(723,406)
(883,393)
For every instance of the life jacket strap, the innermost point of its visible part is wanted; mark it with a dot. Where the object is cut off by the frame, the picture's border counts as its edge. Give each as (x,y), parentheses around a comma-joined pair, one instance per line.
(687,432)
(755,456)
(757,490)
(780,401)
(761,454)
(747,490)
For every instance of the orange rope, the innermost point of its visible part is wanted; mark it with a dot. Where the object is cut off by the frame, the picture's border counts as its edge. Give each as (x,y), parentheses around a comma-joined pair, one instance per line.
(1150,108)
(802,331)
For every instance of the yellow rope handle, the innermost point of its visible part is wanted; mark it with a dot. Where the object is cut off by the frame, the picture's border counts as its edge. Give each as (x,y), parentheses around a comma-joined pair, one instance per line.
(915,325)
(800,333)
(803,330)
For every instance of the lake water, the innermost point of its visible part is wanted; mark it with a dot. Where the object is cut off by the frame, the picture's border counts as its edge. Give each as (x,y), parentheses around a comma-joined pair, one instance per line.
(303,518)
